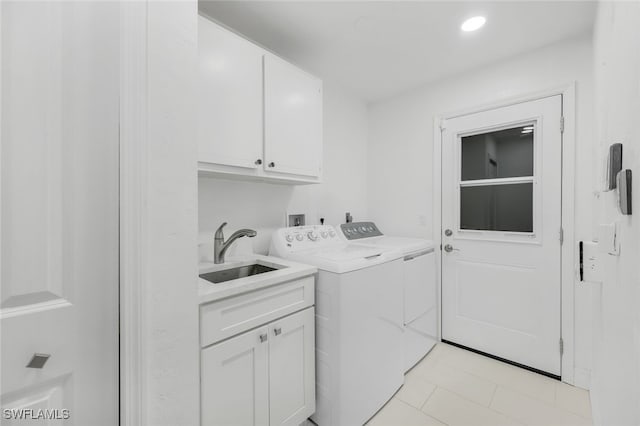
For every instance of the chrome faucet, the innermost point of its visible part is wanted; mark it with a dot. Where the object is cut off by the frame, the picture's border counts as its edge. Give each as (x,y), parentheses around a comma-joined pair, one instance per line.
(220,246)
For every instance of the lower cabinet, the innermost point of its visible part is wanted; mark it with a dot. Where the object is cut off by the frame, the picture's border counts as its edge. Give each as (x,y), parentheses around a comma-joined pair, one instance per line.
(265,376)
(235,381)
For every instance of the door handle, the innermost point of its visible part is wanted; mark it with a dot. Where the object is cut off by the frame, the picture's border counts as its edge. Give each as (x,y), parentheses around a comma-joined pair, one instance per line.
(38,360)
(263,338)
(277,331)
(449,248)
(448,232)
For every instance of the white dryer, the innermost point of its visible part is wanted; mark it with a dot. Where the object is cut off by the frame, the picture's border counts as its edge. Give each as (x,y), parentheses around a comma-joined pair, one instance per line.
(359,321)
(420,317)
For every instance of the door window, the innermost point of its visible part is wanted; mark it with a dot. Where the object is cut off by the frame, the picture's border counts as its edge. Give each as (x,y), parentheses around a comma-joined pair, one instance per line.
(496,180)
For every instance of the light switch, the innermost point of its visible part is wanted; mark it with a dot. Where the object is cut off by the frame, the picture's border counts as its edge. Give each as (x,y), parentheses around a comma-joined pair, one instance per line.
(608,243)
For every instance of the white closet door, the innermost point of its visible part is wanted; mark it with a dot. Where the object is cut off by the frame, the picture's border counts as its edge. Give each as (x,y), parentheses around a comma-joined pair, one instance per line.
(59,220)
(293,119)
(230,98)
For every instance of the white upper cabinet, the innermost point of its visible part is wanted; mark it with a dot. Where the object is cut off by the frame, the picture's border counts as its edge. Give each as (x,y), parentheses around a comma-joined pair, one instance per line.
(259,116)
(230,96)
(292,119)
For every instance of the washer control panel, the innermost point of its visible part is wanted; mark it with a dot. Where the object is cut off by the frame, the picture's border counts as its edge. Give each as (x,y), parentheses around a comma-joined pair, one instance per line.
(301,237)
(357,230)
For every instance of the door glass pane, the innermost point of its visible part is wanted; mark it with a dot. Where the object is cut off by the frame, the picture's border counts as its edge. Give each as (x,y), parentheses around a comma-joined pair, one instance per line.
(500,154)
(497,207)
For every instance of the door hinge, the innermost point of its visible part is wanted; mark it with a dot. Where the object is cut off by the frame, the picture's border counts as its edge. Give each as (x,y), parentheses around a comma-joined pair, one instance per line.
(561,346)
(562,124)
(561,236)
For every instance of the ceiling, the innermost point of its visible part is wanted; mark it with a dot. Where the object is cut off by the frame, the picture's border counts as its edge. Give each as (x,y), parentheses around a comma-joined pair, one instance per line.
(378,49)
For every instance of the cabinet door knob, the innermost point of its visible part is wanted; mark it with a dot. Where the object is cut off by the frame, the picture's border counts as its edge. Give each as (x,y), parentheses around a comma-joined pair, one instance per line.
(277,331)
(258,161)
(263,338)
(272,164)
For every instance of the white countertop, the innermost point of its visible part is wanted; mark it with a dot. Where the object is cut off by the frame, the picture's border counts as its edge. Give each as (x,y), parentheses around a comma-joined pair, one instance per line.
(286,271)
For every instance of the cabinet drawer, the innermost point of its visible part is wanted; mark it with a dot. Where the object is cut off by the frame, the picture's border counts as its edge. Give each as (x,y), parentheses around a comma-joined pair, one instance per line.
(225,318)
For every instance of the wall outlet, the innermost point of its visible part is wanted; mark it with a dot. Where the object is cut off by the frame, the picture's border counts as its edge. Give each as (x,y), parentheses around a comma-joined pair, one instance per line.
(591,268)
(296,220)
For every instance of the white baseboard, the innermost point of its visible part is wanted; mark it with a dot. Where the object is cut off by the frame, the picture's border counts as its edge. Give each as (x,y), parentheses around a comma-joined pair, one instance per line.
(582,378)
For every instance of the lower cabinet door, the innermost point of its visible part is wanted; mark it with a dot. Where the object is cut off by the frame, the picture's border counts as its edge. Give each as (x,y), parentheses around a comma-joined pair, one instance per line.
(292,368)
(235,381)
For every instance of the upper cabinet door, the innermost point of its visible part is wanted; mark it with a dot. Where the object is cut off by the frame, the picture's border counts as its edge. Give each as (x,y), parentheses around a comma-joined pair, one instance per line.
(230,98)
(293,119)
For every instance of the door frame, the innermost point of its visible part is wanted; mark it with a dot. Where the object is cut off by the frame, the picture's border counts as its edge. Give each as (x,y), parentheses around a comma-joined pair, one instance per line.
(133,211)
(568,249)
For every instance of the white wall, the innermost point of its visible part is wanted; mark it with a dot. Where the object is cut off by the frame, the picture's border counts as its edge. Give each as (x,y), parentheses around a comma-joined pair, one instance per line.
(171,302)
(401,193)
(262,206)
(616,372)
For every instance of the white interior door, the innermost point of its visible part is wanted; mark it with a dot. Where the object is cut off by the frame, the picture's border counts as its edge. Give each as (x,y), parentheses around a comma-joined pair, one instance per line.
(59,216)
(501,219)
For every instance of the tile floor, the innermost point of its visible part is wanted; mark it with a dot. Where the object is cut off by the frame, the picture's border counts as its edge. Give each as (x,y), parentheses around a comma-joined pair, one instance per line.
(454,387)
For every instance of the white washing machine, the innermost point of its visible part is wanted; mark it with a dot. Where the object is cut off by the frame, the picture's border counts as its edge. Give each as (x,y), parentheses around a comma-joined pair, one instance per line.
(359,321)
(420,312)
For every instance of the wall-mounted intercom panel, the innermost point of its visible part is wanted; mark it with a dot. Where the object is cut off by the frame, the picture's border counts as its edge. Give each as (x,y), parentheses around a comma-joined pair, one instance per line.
(623,188)
(614,165)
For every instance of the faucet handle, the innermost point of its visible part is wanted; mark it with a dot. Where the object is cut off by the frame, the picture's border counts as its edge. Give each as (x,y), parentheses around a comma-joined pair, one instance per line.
(219,233)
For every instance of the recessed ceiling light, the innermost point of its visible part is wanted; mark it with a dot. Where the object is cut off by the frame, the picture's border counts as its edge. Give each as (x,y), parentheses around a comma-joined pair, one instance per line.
(473,24)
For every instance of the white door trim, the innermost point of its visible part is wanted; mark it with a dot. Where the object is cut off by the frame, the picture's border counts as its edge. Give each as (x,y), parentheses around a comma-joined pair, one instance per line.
(133,213)
(568,264)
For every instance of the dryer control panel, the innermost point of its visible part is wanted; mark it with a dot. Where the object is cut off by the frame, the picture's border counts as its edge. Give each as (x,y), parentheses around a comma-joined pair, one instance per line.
(357,230)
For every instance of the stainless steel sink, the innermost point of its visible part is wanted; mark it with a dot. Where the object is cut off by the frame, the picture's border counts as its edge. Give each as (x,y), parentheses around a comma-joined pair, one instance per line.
(224,275)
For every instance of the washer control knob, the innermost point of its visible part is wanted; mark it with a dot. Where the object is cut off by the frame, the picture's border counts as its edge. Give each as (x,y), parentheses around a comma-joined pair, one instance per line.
(312,235)
(323,234)
(299,237)
(289,238)
(332,234)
